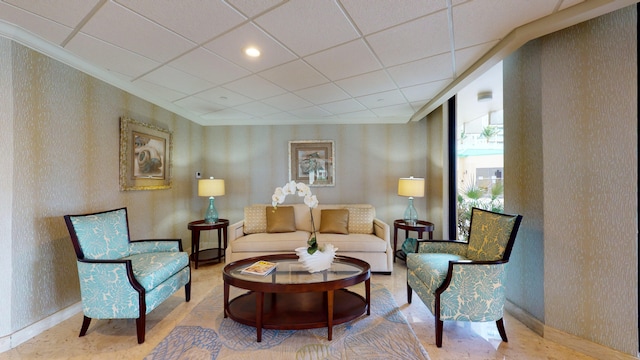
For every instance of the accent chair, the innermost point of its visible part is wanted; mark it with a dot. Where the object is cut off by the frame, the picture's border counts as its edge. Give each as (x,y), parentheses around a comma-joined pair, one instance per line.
(465,281)
(120,278)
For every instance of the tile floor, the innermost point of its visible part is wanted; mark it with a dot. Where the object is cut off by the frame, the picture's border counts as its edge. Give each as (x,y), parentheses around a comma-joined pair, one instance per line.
(116,339)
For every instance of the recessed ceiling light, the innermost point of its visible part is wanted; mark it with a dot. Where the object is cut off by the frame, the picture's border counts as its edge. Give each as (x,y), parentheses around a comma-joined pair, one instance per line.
(251,51)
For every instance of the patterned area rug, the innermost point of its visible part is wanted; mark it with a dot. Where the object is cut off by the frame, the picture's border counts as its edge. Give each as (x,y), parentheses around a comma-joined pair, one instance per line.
(205,334)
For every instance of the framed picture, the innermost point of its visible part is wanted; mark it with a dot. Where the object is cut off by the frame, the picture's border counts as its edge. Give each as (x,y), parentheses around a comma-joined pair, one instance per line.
(312,162)
(145,156)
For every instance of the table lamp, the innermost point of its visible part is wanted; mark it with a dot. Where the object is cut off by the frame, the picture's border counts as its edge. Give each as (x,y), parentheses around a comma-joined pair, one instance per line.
(411,187)
(211,187)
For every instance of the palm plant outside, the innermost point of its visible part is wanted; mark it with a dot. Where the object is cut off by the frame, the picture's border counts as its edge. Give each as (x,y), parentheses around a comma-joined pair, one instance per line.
(489,132)
(471,195)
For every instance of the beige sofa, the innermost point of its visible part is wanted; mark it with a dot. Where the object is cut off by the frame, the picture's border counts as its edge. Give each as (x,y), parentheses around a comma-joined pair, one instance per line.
(367,238)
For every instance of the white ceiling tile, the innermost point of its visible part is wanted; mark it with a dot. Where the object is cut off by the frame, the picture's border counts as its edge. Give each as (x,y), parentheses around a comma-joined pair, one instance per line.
(35,24)
(414,73)
(196,20)
(71,14)
(209,66)
(505,16)
(423,91)
(322,22)
(371,83)
(358,114)
(255,87)
(252,8)
(323,94)
(226,114)
(387,98)
(415,40)
(175,79)
(394,110)
(124,28)
(109,56)
(468,56)
(159,91)
(257,108)
(374,15)
(198,106)
(225,97)
(339,62)
(287,102)
(294,76)
(310,112)
(232,45)
(343,106)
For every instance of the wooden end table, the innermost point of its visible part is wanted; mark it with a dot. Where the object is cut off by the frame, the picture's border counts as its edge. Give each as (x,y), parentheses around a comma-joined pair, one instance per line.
(208,255)
(291,298)
(420,227)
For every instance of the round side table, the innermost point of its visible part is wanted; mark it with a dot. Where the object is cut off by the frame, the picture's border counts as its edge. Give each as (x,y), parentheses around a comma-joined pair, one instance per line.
(208,255)
(420,227)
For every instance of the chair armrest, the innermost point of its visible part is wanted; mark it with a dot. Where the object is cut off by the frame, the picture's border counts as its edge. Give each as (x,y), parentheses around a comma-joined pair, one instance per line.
(154,245)
(381,229)
(461,272)
(454,247)
(236,230)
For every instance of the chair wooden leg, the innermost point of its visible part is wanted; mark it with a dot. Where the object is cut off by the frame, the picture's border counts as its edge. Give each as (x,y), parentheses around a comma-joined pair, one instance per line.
(501,330)
(140,328)
(85,326)
(187,291)
(409,293)
(439,326)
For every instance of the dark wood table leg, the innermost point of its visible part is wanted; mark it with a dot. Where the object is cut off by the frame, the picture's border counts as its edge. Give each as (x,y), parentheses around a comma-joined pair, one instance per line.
(367,291)
(395,242)
(259,306)
(195,241)
(330,314)
(226,299)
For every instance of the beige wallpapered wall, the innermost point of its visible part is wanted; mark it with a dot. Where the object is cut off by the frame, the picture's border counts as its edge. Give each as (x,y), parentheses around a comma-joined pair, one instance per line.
(578,100)
(65,132)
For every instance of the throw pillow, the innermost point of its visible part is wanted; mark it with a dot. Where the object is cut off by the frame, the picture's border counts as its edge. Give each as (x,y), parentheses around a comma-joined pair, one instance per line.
(281,219)
(361,220)
(334,221)
(255,221)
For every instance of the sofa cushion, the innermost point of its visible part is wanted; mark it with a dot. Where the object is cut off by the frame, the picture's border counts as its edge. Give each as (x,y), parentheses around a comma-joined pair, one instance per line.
(335,221)
(280,219)
(255,219)
(354,242)
(361,219)
(275,242)
(151,269)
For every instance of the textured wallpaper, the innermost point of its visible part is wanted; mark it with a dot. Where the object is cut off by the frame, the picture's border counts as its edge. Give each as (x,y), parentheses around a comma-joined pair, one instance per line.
(577,106)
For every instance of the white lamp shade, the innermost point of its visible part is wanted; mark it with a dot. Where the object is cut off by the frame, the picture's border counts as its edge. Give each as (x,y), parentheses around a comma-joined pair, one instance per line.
(210,187)
(411,187)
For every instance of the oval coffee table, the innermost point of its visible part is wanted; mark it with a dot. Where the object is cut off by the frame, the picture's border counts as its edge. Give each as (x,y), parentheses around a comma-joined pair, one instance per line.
(291,298)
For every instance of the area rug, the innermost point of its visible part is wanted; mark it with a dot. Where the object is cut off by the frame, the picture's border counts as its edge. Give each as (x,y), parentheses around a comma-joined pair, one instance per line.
(206,334)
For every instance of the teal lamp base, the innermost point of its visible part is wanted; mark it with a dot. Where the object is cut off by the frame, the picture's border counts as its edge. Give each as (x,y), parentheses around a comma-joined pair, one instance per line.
(410,214)
(211,215)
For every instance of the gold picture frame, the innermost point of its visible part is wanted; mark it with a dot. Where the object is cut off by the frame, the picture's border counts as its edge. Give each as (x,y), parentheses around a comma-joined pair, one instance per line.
(312,162)
(145,156)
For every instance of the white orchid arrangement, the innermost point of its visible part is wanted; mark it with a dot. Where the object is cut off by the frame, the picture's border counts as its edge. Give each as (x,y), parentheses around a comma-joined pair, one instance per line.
(303,190)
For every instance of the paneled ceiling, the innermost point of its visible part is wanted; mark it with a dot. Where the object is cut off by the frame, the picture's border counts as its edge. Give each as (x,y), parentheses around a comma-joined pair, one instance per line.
(322,61)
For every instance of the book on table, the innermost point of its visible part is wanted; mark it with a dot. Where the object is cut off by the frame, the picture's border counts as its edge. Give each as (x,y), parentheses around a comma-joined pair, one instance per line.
(260,267)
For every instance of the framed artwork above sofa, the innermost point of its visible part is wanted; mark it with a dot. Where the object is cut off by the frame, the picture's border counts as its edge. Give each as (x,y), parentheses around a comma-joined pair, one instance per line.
(312,162)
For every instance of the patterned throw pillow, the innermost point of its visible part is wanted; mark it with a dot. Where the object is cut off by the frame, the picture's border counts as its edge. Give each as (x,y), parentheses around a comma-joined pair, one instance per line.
(361,220)
(334,221)
(255,219)
(281,219)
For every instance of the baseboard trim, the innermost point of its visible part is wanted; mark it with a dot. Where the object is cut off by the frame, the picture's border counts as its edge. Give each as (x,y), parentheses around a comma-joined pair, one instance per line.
(10,341)
(570,341)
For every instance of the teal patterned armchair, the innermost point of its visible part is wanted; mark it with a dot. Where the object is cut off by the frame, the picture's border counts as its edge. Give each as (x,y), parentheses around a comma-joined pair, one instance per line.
(120,278)
(464,281)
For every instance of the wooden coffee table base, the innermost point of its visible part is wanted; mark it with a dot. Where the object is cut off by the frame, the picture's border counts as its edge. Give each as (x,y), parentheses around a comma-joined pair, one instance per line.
(295,311)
